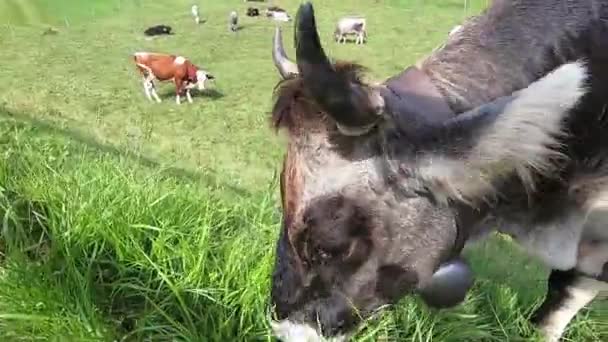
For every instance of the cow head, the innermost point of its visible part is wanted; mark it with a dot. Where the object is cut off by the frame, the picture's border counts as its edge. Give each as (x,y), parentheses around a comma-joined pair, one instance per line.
(371,186)
(202,77)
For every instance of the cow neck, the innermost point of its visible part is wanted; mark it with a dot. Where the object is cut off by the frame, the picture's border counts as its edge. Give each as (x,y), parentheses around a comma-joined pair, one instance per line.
(419,106)
(415,102)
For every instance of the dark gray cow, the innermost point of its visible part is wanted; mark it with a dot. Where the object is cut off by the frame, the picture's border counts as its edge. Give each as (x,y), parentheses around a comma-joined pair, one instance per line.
(382,184)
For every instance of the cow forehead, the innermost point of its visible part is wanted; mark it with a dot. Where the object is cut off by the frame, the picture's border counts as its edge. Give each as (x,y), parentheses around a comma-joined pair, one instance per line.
(339,177)
(313,175)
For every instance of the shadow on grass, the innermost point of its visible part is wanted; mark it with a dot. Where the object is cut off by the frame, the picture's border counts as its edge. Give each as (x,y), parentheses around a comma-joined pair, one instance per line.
(214,94)
(210,93)
(207,178)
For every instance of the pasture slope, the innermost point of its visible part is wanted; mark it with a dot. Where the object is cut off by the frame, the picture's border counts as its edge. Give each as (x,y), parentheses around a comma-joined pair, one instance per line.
(124,220)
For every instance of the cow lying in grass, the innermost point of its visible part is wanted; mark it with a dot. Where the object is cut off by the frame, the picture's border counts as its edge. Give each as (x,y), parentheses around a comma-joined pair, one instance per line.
(163,67)
(504,127)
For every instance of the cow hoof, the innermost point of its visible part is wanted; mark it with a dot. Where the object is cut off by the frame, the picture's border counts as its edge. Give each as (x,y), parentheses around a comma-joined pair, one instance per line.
(449,285)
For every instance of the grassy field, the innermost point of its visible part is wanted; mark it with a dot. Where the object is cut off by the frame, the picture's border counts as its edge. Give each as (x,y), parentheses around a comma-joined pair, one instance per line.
(124,220)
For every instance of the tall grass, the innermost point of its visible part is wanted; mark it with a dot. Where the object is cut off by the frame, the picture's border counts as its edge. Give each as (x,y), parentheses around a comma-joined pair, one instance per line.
(158,256)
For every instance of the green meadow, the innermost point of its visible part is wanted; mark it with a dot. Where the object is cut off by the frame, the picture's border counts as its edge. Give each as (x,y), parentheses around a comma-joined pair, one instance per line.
(127,220)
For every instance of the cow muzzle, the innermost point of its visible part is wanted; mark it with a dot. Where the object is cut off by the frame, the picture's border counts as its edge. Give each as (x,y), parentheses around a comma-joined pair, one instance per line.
(449,285)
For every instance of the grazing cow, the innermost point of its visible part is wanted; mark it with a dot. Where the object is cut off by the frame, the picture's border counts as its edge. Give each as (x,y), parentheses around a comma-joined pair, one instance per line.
(233,21)
(351,25)
(163,67)
(277,13)
(382,184)
(195,14)
(158,30)
(253,12)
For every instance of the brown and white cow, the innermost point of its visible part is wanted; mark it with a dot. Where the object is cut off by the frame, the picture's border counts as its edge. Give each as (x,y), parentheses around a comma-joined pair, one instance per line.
(165,67)
(504,127)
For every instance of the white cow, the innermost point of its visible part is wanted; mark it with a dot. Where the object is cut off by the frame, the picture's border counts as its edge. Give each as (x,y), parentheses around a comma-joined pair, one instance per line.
(277,14)
(233,21)
(195,14)
(351,25)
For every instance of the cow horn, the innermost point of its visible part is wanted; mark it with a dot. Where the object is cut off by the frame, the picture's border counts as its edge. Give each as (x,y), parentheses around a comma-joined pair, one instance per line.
(352,106)
(284,65)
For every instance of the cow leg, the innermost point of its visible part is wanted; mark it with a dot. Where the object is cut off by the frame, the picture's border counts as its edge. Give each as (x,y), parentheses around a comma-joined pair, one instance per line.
(150,90)
(179,88)
(188,96)
(153,92)
(568,292)
(147,87)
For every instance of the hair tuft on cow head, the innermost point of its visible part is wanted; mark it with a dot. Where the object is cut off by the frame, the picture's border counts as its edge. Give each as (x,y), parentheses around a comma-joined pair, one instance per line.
(355,106)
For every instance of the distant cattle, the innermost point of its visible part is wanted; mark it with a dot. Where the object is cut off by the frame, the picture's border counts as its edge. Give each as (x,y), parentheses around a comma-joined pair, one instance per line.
(163,67)
(195,14)
(352,25)
(277,14)
(253,12)
(158,30)
(233,21)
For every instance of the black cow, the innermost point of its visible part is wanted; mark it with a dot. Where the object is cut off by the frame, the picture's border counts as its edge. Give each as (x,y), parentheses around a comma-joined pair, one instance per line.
(253,12)
(158,30)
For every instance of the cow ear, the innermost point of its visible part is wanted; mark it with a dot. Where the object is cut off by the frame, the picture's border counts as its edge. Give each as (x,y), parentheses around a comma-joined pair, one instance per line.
(515,135)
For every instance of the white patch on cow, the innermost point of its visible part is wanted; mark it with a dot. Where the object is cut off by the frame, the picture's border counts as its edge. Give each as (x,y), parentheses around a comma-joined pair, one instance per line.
(178,99)
(555,244)
(288,331)
(581,293)
(518,142)
(141,54)
(179,60)
(593,250)
(597,217)
(592,258)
